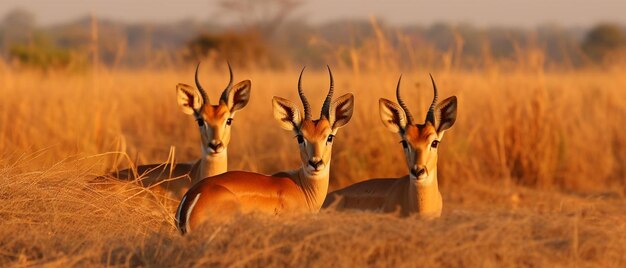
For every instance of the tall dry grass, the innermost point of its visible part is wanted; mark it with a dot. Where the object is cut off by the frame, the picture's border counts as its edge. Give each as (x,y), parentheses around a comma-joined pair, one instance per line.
(558,130)
(51,216)
(532,173)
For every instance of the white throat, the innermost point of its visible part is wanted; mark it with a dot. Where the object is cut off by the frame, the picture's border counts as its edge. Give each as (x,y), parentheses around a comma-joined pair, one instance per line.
(213,164)
(316,175)
(210,156)
(426,181)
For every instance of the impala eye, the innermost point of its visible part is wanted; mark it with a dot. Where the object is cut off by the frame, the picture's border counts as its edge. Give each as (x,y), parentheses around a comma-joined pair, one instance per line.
(434,144)
(330,138)
(404,144)
(229,121)
(300,139)
(200,122)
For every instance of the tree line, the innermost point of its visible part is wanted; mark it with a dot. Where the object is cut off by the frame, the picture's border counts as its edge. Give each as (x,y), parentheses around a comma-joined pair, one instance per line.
(280,41)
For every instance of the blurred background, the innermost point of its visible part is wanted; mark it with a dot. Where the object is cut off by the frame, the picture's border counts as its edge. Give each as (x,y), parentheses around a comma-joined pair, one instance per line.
(537,82)
(533,172)
(368,34)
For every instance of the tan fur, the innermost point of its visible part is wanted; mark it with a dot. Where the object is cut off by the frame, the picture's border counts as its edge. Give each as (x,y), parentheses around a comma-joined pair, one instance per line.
(299,190)
(242,192)
(417,193)
(302,190)
(404,195)
(177,179)
(315,130)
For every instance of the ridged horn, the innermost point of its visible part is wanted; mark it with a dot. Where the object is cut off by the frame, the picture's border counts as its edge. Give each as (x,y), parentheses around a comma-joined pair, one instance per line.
(205,98)
(331,89)
(409,117)
(305,102)
(224,96)
(431,111)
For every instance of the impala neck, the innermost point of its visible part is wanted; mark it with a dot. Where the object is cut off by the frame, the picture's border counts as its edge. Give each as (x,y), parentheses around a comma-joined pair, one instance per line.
(211,165)
(424,196)
(314,186)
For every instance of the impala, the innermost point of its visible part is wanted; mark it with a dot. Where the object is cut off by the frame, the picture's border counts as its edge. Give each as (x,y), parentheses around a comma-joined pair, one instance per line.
(417,192)
(214,123)
(301,190)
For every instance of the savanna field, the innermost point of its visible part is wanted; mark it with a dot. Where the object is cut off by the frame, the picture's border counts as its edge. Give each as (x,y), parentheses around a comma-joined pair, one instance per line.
(532,173)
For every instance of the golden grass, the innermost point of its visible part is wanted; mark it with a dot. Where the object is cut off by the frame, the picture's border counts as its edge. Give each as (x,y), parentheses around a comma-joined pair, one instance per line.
(532,173)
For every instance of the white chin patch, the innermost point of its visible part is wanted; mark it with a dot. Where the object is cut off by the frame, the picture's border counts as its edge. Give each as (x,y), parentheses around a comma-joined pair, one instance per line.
(213,152)
(310,171)
(421,178)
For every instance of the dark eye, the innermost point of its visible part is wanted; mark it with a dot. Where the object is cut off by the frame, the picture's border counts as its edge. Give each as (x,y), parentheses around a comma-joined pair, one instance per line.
(330,138)
(434,144)
(300,139)
(229,121)
(200,122)
(404,144)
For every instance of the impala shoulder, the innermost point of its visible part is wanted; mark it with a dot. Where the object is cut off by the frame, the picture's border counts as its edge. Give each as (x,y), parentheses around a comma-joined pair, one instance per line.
(238,179)
(377,182)
(372,186)
(282,174)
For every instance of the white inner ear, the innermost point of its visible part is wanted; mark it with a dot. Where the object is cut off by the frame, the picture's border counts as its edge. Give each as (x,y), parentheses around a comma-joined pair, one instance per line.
(239,95)
(392,115)
(445,114)
(341,111)
(189,99)
(287,115)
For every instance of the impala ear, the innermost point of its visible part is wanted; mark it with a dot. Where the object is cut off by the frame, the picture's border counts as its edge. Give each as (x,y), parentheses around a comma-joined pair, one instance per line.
(286,113)
(392,115)
(189,98)
(239,95)
(445,114)
(341,111)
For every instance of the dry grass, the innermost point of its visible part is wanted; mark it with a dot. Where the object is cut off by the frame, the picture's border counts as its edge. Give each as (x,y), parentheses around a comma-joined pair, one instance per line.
(532,173)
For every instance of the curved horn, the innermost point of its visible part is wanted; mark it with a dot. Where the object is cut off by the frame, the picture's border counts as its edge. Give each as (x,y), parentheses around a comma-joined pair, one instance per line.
(205,98)
(224,96)
(305,102)
(431,111)
(409,117)
(326,106)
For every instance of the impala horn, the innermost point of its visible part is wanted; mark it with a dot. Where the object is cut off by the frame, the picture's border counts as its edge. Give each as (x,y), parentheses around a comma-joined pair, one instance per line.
(326,106)
(205,98)
(431,111)
(305,102)
(224,96)
(409,117)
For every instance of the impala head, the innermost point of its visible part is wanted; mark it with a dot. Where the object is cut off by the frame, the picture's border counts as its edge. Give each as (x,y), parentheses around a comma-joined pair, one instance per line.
(314,136)
(214,120)
(420,141)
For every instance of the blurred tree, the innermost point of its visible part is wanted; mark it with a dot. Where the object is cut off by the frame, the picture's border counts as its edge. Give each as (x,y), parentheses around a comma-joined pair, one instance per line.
(17,27)
(604,40)
(40,53)
(262,16)
(253,43)
(242,49)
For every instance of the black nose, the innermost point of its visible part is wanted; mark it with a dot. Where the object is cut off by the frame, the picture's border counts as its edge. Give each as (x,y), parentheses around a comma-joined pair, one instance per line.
(215,146)
(418,171)
(315,164)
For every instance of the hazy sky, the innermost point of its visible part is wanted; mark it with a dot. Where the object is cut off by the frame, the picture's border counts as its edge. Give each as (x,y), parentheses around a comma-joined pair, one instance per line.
(479,12)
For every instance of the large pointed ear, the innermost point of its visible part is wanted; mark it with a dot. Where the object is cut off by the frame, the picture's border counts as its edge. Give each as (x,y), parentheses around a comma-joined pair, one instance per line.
(239,95)
(445,114)
(286,113)
(189,98)
(392,115)
(341,111)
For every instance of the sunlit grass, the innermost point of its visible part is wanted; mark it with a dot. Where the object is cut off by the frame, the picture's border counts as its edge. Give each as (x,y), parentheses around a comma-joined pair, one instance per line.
(532,173)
